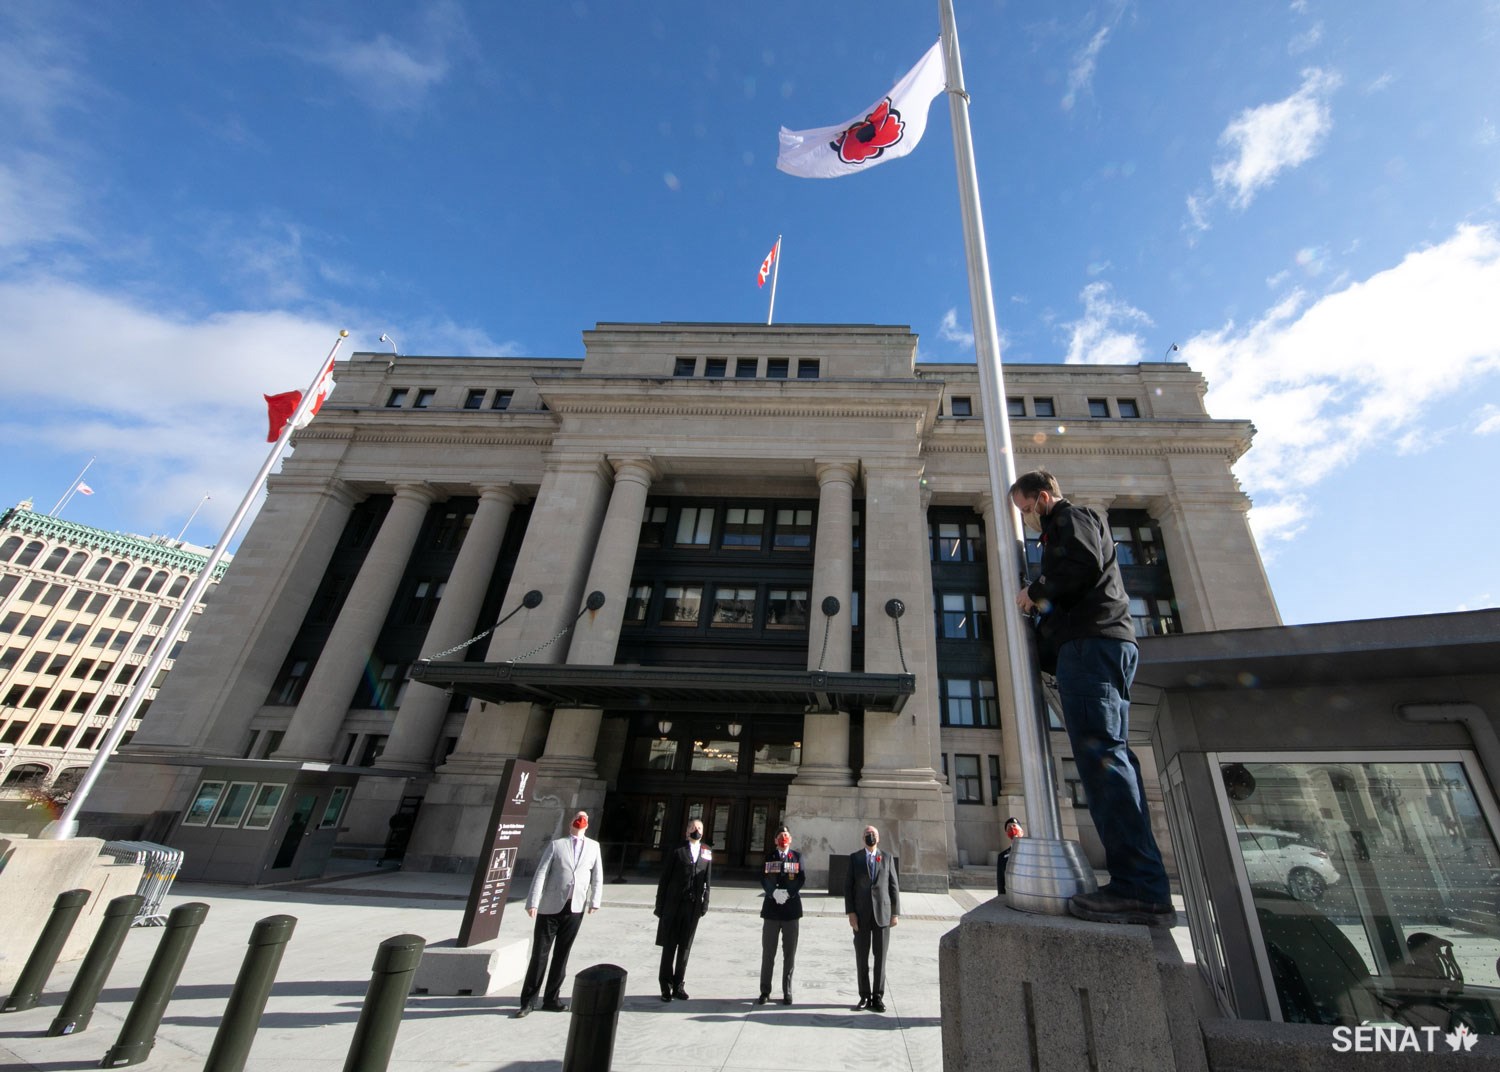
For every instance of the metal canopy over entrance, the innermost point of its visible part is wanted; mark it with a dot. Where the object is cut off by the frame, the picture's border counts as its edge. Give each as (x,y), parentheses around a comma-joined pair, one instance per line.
(626,688)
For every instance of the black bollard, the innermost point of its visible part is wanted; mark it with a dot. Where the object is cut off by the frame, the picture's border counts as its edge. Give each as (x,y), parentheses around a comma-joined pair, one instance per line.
(380,1017)
(139,1033)
(247,1001)
(48,948)
(598,994)
(78,1007)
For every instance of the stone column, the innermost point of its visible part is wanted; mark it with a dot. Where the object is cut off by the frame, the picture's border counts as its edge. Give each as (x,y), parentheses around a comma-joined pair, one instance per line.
(419,722)
(825,735)
(1208,544)
(314,728)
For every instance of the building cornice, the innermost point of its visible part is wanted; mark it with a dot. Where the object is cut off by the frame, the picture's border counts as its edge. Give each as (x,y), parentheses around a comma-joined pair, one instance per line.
(85,537)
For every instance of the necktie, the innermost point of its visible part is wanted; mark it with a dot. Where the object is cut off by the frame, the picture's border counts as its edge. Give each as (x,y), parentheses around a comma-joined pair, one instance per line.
(577,850)
(870,859)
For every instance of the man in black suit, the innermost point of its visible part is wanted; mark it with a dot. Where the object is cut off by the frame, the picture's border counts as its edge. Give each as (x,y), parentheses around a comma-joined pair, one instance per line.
(780,913)
(872,898)
(681,900)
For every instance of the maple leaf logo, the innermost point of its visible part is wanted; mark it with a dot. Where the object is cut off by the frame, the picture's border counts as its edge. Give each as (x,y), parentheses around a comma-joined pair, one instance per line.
(1461,1040)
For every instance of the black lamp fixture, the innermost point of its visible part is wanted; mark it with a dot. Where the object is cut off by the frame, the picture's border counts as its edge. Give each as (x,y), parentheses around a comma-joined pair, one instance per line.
(664,726)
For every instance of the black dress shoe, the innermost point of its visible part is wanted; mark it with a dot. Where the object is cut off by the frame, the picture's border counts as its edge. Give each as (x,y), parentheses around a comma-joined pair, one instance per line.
(786,999)
(763,999)
(864,1003)
(554,1006)
(679,993)
(525,1009)
(666,995)
(876,1005)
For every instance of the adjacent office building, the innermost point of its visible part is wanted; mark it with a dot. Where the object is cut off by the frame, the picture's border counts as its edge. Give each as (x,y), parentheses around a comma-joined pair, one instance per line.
(741,573)
(80,611)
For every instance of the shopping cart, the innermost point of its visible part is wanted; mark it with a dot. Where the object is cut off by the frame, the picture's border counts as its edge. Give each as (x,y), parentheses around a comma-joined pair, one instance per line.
(162,862)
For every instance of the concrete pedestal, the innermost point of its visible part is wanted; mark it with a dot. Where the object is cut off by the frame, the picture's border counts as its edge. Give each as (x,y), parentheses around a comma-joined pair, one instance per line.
(486,968)
(1036,993)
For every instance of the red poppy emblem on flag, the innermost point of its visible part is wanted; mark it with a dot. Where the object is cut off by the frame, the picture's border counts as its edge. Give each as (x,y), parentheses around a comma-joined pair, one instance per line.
(871,136)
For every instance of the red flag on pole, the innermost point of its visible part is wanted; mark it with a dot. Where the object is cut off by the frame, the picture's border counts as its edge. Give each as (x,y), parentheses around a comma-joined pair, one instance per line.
(765,265)
(279,408)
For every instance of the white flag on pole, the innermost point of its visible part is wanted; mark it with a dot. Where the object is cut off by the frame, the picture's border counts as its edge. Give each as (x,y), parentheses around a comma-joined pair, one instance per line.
(890,128)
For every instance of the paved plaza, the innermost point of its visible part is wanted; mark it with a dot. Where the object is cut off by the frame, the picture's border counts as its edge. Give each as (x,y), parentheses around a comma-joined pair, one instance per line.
(310,1018)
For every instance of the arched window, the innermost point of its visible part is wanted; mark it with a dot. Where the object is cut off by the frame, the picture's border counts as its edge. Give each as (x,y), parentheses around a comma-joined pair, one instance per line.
(179,586)
(68,780)
(75,564)
(117,574)
(28,556)
(158,579)
(140,578)
(55,559)
(9,548)
(99,569)
(25,775)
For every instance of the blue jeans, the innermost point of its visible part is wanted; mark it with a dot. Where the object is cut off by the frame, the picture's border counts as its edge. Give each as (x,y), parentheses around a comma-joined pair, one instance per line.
(1093,681)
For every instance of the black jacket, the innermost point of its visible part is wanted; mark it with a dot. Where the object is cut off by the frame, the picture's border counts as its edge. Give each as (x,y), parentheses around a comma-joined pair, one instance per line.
(1080,589)
(682,893)
(789,877)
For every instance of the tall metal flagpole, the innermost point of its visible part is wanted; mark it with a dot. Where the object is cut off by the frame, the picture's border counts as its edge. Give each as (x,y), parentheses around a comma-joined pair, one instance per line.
(775,271)
(1045,869)
(66,825)
(63,501)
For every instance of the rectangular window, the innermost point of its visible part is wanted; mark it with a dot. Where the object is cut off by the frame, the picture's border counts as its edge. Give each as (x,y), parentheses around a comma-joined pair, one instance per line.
(80,597)
(969,703)
(502,400)
(204,802)
(161,616)
(1127,407)
(82,703)
(57,630)
(424,398)
(236,802)
(1043,407)
(695,526)
(794,530)
(288,690)
(263,810)
(8,582)
(734,606)
(31,625)
(81,670)
(97,603)
(808,368)
(961,406)
(965,616)
(11,656)
(12,620)
(720,756)
(653,526)
(121,639)
(395,400)
(777,758)
(60,700)
(746,367)
(995,778)
(654,753)
(335,810)
(776,368)
(101,671)
(77,633)
(786,608)
(35,663)
(32,590)
(681,605)
(953,541)
(422,605)
(52,595)
(637,602)
(1015,407)
(389,687)
(685,366)
(474,398)
(715,367)
(43,731)
(58,664)
(1098,407)
(967,788)
(743,528)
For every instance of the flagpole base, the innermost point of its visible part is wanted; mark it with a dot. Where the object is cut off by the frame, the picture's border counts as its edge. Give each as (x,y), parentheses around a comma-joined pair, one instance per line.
(1043,873)
(59,830)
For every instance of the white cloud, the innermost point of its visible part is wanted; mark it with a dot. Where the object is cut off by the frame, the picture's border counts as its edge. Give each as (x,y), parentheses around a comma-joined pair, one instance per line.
(391,75)
(1306,41)
(1489,420)
(1266,140)
(37,76)
(38,203)
(1102,336)
(949,330)
(1081,74)
(1330,379)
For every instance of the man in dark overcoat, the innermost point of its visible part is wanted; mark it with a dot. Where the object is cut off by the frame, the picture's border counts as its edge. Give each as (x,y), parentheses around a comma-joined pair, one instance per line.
(681,900)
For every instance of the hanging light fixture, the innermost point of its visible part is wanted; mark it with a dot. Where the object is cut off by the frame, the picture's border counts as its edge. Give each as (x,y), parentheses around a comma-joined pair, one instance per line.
(734,728)
(664,726)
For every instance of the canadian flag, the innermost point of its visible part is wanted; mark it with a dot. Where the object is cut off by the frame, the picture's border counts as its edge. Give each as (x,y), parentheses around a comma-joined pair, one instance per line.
(280,408)
(84,489)
(765,265)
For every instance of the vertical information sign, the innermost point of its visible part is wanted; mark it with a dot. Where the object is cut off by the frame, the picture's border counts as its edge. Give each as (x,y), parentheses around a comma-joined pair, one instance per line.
(497,855)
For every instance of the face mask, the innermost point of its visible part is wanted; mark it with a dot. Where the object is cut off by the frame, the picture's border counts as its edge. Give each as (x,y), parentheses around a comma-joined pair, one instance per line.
(580,824)
(870,840)
(694,835)
(783,841)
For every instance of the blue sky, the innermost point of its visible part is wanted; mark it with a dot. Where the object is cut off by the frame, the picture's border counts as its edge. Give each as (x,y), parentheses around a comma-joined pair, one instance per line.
(1304,197)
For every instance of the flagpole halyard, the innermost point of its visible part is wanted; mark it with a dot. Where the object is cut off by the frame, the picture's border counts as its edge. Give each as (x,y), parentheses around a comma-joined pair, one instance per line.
(775,271)
(66,825)
(1054,869)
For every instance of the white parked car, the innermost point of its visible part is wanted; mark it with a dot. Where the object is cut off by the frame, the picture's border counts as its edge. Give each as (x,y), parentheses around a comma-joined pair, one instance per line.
(1286,861)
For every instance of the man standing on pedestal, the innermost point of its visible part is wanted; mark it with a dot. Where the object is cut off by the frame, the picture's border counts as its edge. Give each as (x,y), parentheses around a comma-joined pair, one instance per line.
(780,914)
(681,900)
(872,899)
(569,875)
(1085,618)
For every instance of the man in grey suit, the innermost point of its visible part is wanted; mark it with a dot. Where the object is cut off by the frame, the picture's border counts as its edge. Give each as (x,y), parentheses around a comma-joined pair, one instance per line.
(872,898)
(569,875)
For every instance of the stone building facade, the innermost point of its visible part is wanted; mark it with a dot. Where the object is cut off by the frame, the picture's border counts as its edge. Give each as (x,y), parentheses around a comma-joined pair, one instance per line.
(714,483)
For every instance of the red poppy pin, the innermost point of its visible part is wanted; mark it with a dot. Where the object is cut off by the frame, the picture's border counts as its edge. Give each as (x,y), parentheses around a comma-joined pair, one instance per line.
(871,136)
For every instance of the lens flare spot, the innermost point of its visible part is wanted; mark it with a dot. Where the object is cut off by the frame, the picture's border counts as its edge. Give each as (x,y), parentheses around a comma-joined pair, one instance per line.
(1247,679)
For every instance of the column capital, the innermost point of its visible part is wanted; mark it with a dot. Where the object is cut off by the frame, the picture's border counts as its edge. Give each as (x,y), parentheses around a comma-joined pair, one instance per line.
(418,491)
(503,492)
(636,467)
(840,472)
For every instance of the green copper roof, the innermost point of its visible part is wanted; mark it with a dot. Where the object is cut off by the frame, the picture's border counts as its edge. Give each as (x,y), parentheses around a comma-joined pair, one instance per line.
(138,548)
